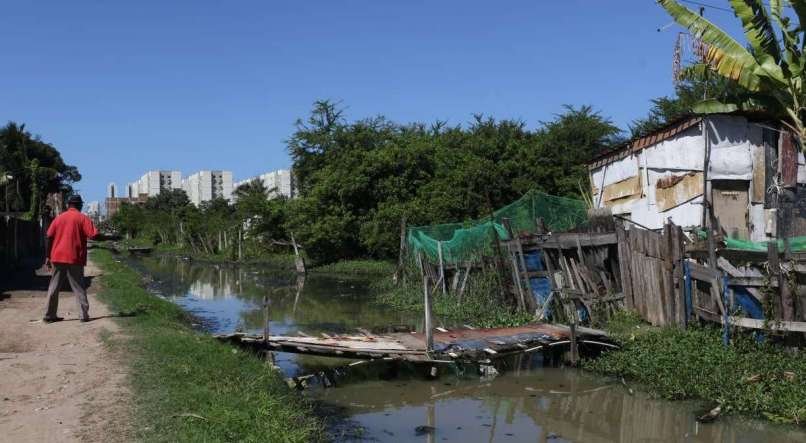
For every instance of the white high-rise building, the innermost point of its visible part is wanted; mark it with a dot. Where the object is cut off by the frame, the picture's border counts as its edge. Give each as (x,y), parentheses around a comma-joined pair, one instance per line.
(112,190)
(280,182)
(208,185)
(154,182)
(93,210)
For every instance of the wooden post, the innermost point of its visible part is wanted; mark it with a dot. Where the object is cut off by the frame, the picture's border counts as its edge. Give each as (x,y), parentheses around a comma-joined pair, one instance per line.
(299,262)
(574,350)
(774,266)
(441,267)
(516,274)
(464,282)
(625,261)
(716,289)
(429,337)
(529,301)
(266,320)
(669,257)
(725,318)
(678,280)
(240,244)
(787,301)
(706,196)
(540,229)
(517,280)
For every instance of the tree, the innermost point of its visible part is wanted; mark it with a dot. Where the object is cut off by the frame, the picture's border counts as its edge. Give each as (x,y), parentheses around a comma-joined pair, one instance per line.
(771,72)
(37,169)
(361,178)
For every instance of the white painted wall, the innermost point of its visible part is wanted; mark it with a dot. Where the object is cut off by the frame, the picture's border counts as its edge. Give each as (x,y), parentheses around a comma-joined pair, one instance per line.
(733,141)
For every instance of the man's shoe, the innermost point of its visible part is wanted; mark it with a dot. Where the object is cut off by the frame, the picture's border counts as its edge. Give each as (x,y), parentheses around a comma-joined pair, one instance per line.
(84,320)
(52,319)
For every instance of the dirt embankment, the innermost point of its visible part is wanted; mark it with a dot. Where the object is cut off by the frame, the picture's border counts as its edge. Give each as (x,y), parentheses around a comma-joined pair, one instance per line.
(58,382)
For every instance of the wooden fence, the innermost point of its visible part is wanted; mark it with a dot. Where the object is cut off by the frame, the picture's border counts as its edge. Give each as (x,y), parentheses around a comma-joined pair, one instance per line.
(666,277)
(652,273)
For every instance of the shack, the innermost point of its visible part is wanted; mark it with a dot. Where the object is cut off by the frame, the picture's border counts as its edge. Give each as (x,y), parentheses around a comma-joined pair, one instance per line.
(752,173)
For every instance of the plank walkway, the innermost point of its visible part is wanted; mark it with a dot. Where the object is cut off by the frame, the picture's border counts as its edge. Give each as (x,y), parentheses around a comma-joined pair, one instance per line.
(464,344)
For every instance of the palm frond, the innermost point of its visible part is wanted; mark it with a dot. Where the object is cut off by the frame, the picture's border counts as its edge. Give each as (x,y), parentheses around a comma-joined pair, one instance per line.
(759,30)
(727,56)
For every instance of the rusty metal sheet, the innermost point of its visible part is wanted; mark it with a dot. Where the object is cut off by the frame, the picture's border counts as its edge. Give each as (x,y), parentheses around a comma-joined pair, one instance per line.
(789,160)
(686,187)
(629,187)
(758,188)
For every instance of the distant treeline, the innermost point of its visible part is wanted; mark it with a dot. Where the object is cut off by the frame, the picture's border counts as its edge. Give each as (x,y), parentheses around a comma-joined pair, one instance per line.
(358,179)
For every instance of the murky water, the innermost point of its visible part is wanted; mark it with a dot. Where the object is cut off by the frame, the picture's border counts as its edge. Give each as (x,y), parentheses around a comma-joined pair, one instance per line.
(529,401)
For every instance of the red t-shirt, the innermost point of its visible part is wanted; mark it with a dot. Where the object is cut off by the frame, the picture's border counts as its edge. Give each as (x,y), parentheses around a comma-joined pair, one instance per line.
(68,235)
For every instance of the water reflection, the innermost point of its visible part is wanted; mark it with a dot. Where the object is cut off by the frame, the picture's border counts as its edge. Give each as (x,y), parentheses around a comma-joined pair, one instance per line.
(545,405)
(524,404)
(229,298)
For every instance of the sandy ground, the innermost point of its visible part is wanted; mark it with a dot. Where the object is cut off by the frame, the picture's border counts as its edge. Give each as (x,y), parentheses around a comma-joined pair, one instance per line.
(58,382)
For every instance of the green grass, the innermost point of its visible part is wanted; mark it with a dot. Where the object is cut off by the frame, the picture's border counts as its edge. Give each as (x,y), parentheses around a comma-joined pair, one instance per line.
(357,267)
(175,371)
(481,305)
(762,380)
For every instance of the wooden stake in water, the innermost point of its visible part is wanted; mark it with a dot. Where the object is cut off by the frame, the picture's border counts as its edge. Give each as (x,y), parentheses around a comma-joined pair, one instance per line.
(429,337)
(441,267)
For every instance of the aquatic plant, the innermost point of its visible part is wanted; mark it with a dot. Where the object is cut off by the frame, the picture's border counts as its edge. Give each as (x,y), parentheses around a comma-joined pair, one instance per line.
(747,377)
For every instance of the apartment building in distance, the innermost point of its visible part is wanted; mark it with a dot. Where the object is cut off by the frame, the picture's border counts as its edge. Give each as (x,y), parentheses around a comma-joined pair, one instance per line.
(278,183)
(93,211)
(154,182)
(208,185)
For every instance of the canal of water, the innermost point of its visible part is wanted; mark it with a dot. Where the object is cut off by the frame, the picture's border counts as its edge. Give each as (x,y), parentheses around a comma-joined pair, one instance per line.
(529,401)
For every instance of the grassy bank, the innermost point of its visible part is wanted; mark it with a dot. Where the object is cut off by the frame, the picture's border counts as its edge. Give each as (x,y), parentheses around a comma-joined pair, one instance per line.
(367,267)
(479,306)
(189,387)
(747,377)
(285,260)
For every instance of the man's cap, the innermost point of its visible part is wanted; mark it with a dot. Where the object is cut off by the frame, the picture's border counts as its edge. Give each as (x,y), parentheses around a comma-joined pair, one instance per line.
(74,199)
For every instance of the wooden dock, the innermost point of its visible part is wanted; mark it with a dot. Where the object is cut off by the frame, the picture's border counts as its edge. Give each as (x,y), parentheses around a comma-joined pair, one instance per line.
(468,344)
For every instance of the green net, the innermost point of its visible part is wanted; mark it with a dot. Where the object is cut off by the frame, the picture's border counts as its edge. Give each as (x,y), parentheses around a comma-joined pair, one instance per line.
(471,240)
(796,244)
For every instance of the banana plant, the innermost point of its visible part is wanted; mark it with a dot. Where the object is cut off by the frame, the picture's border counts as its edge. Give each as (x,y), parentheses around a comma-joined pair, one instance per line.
(770,67)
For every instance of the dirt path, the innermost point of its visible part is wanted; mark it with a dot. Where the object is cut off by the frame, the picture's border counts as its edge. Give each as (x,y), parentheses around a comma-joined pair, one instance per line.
(58,382)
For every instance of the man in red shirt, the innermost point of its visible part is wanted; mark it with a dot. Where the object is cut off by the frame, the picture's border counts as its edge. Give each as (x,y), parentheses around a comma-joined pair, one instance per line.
(66,249)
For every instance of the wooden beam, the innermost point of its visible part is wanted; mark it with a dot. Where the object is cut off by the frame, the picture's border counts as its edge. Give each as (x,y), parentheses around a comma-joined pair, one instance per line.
(571,240)
(752,323)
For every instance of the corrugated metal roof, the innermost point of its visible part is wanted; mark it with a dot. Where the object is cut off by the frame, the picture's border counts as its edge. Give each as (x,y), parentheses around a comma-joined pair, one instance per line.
(637,144)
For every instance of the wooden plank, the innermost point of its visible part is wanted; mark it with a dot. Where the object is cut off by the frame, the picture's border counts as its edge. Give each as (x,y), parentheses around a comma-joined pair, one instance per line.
(688,187)
(788,163)
(758,187)
(752,323)
(668,274)
(659,289)
(751,283)
(570,240)
(734,272)
(702,273)
(678,247)
(624,265)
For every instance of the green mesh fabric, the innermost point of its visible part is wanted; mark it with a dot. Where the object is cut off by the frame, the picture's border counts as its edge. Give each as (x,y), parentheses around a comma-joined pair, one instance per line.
(796,244)
(471,240)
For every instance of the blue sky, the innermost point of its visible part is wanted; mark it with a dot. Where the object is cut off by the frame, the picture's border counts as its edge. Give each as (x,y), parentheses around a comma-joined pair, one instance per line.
(123,87)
